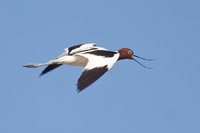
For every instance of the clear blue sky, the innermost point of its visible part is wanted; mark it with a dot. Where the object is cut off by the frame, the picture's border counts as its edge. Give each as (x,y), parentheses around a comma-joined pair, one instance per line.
(129,98)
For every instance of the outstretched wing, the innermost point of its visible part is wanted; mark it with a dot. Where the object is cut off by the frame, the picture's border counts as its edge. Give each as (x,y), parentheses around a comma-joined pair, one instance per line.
(90,76)
(49,68)
(77,49)
(99,62)
(80,48)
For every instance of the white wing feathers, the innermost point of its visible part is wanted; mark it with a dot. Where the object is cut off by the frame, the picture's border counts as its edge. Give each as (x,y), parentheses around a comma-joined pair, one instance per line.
(99,61)
(95,68)
(78,48)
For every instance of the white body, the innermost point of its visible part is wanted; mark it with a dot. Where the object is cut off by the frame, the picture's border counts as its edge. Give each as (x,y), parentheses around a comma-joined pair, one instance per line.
(88,61)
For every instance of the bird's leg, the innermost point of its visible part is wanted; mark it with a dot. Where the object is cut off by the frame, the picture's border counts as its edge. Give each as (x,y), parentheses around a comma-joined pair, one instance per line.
(35,65)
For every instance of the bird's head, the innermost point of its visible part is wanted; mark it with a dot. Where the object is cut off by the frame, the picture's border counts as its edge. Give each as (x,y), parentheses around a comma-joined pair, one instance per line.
(126,53)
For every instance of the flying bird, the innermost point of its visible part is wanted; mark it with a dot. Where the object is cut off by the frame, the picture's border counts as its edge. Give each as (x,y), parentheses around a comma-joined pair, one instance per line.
(95,60)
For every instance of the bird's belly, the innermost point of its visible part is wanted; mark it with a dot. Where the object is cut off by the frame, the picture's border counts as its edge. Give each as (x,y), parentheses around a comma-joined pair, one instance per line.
(72,60)
(77,63)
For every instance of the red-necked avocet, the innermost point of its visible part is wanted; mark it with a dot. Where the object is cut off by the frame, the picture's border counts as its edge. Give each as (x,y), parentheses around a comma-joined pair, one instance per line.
(95,60)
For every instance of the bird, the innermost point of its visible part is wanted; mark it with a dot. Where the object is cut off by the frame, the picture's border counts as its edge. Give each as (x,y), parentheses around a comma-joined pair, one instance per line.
(95,60)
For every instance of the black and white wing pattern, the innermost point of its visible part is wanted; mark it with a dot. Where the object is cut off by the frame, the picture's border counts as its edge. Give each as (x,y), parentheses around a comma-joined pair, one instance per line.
(50,68)
(90,76)
(99,62)
(69,52)
(80,48)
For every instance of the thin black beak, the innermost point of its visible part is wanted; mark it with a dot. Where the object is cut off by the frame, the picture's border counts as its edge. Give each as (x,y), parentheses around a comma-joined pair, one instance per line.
(143,59)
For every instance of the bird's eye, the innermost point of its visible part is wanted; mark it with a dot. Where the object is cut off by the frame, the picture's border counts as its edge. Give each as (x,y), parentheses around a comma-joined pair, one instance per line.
(130,52)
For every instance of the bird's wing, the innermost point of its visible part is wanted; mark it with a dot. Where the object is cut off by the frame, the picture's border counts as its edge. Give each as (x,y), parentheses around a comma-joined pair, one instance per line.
(70,52)
(49,68)
(77,49)
(99,62)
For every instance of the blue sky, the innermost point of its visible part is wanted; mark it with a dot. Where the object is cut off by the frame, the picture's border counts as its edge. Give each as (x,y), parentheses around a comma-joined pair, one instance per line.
(129,98)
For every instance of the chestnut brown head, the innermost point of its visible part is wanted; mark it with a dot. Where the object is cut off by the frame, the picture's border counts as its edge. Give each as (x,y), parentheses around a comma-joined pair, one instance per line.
(125,53)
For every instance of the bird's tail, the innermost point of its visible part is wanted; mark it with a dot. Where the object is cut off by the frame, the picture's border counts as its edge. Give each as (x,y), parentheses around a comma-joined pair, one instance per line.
(35,65)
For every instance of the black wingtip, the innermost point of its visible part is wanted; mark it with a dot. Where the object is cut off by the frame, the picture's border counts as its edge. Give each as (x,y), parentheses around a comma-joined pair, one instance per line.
(41,74)
(79,89)
(49,68)
(90,76)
